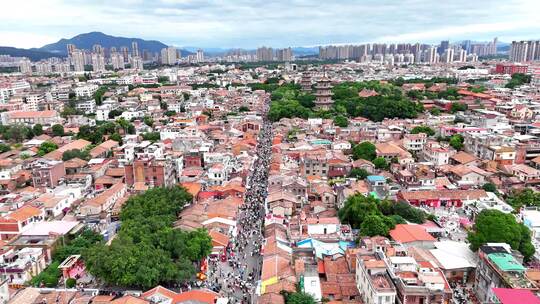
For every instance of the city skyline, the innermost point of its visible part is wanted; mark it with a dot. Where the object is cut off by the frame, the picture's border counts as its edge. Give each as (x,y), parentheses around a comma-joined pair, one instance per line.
(278,24)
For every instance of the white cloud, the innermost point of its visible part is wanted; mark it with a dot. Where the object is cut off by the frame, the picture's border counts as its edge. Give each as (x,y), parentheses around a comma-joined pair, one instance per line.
(25,39)
(250,23)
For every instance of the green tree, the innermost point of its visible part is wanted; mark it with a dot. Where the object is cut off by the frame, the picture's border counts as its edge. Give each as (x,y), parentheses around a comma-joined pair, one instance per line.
(364,150)
(489,187)
(341,121)
(517,80)
(147,251)
(356,208)
(71,282)
(493,226)
(523,198)
(410,213)
(46,147)
(243,109)
(423,129)
(4,148)
(151,136)
(98,95)
(149,121)
(358,173)
(17,133)
(380,163)
(458,107)
(115,113)
(456,141)
(116,137)
(75,153)
(435,111)
(299,298)
(58,130)
(37,129)
(374,225)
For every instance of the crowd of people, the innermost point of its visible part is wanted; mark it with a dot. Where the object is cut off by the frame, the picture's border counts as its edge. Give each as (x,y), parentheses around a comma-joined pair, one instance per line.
(236,276)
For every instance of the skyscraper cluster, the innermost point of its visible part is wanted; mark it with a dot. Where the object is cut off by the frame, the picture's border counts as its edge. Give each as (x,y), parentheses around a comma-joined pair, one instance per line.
(522,51)
(402,53)
(269,54)
(99,57)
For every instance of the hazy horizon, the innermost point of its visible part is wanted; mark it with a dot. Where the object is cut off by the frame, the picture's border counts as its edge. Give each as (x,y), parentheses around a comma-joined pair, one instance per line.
(249,24)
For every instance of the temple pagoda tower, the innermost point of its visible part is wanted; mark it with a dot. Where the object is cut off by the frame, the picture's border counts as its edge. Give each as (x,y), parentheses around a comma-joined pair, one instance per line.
(305,82)
(323,100)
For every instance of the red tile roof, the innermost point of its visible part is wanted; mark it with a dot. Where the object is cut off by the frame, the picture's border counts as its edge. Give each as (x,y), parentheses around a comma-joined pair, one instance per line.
(405,233)
(199,295)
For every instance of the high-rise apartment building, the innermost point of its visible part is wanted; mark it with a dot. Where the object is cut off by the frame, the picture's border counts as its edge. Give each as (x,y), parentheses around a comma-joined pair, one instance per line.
(265,54)
(98,62)
(443,46)
(117,61)
(98,49)
(25,66)
(169,55)
(70,48)
(448,56)
(200,55)
(431,55)
(125,53)
(137,63)
(284,54)
(134,49)
(460,55)
(77,60)
(519,51)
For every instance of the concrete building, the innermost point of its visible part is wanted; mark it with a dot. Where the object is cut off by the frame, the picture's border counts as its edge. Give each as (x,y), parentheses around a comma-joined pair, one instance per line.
(77,60)
(98,62)
(265,54)
(47,173)
(168,55)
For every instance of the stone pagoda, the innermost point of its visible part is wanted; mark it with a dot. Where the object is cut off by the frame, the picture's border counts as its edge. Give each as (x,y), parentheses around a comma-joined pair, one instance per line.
(323,100)
(305,82)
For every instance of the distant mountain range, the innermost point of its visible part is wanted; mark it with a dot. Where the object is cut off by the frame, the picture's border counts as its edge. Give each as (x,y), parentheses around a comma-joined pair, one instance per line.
(88,40)
(85,41)
(33,54)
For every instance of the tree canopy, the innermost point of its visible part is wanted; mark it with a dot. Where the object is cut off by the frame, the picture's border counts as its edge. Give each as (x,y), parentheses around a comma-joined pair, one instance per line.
(517,80)
(456,141)
(289,101)
(58,130)
(377,217)
(147,250)
(423,129)
(364,150)
(358,173)
(75,153)
(46,147)
(493,226)
(523,198)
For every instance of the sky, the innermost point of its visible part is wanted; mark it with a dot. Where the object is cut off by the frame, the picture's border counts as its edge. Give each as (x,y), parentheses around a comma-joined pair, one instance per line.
(277,23)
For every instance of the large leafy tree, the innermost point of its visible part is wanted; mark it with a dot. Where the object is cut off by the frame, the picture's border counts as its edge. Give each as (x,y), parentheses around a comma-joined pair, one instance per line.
(456,141)
(147,250)
(375,225)
(58,130)
(46,147)
(358,173)
(299,298)
(364,150)
(37,129)
(493,226)
(523,198)
(423,129)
